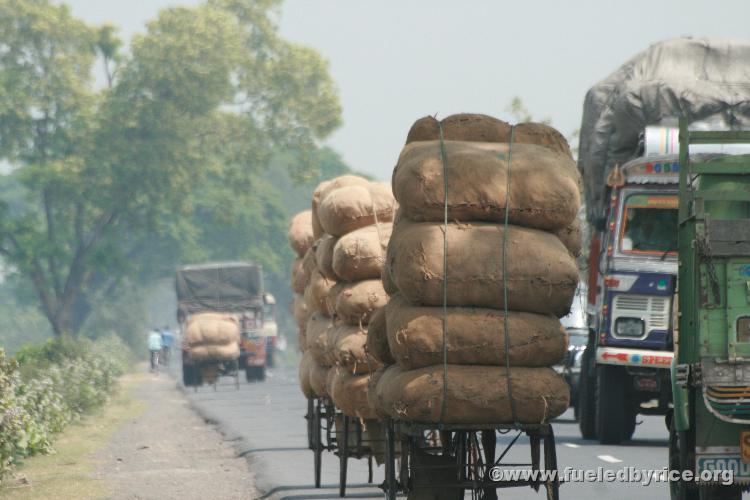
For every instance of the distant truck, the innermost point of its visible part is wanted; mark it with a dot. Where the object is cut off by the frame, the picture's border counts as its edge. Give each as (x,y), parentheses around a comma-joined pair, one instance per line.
(629,159)
(232,288)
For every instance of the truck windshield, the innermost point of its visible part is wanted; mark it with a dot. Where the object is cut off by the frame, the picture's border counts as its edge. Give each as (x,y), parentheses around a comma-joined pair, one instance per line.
(649,224)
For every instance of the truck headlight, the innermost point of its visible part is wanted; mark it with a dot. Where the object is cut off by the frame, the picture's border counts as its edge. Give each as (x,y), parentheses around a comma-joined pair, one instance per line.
(630,327)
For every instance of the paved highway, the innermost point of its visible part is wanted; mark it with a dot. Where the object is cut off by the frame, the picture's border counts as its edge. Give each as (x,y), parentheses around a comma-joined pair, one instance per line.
(266,422)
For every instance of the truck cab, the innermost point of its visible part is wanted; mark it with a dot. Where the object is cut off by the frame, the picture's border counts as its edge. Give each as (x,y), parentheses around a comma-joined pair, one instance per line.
(710,424)
(632,283)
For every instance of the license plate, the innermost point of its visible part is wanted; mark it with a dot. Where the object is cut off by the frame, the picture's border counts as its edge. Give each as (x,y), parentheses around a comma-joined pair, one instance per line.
(745,446)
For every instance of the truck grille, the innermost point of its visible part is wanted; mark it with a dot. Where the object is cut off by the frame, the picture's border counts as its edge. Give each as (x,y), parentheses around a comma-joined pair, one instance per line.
(654,311)
(730,403)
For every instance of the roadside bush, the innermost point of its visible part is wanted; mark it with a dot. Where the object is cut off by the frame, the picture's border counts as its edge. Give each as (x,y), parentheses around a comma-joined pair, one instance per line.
(47,386)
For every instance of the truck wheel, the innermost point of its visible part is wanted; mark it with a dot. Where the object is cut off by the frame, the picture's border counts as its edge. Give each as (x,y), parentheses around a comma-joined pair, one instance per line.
(720,492)
(249,373)
(630,423)
(585,408)
(611,406)
(679,490)
(261,373)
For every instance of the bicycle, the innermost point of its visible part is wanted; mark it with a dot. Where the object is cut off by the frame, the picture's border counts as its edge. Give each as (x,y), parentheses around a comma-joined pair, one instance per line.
(155,355)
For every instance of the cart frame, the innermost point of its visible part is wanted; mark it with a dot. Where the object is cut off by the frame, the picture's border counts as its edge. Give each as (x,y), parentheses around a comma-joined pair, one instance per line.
(465,443)
(233,371)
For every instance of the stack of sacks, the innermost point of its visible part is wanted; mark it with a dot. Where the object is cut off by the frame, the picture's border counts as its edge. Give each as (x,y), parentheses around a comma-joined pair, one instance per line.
(355,222)
(213,337)
(541,275)
(300,236)
(314,311)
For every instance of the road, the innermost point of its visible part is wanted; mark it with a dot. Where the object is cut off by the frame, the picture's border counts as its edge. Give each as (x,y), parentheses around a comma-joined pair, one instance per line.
(266,422)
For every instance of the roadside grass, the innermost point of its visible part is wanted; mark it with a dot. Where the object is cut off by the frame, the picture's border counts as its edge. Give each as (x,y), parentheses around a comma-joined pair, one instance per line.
(69,473)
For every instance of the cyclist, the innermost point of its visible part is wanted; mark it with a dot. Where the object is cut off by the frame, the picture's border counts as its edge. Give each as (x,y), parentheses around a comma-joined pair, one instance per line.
(154,347)
(167,339)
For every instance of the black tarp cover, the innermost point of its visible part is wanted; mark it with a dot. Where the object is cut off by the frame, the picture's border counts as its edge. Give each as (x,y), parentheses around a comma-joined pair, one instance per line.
(230,286)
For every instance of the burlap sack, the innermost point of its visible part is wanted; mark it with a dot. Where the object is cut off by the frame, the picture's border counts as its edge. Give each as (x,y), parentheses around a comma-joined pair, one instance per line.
(300,232)
(316,293)
(474,336)
(373,403)
(377,338)
(360,255)
(305,365)
(212,329)
(345,209)
(347,349)
(299,281)
(301,313)
(318,374)
(483,128)
(385,276)
(349,393)
(302,340)
(356,302)
(308,265)
(317,335)
(541,274)
(544,189)
(322,191)
(572,237)
(475,395)
(215,352)
(324,256)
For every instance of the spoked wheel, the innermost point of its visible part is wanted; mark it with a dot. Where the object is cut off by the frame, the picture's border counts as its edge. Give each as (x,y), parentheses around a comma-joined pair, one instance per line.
(317,443)
(389,486)
(310,422)
(550,464)
(343,456)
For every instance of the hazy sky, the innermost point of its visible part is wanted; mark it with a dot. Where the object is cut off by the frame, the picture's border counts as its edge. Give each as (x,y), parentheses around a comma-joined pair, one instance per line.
(397,60)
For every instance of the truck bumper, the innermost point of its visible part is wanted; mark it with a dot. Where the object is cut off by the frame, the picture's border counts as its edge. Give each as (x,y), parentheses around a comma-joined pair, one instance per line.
(634,357)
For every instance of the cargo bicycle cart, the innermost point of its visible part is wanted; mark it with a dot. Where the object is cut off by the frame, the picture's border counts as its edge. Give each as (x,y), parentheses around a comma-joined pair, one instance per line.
(210,371)
(354,443)
(322,435)
(466,457)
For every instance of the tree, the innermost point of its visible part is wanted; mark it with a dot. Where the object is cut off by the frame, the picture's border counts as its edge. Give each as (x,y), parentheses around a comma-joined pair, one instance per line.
(203,98)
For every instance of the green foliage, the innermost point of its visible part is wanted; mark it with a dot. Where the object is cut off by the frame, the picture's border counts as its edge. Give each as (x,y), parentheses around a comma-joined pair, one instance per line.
(46,387)
(171,150)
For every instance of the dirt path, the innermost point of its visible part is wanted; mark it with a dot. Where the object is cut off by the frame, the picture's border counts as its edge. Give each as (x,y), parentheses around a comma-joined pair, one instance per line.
(169,452)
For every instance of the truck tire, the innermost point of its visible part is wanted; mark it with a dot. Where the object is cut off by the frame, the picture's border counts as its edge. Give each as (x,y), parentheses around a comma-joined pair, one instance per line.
(585,407)
(261,373)
(611,406)
(630,423)
(249,373)
(679,490)
(720,492)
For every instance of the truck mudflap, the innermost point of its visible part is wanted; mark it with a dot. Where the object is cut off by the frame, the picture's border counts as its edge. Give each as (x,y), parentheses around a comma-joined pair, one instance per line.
(634,357)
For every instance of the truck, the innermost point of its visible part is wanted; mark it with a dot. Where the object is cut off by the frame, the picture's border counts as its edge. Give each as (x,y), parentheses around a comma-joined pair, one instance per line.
(629,159)
(232,288)
(710,373)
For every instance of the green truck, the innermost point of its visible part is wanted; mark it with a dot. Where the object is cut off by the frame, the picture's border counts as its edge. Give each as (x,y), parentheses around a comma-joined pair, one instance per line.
(709,445)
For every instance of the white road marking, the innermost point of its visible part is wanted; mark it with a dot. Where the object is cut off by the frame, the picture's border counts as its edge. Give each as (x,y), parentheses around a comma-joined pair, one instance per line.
(609,458)
(572,445)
